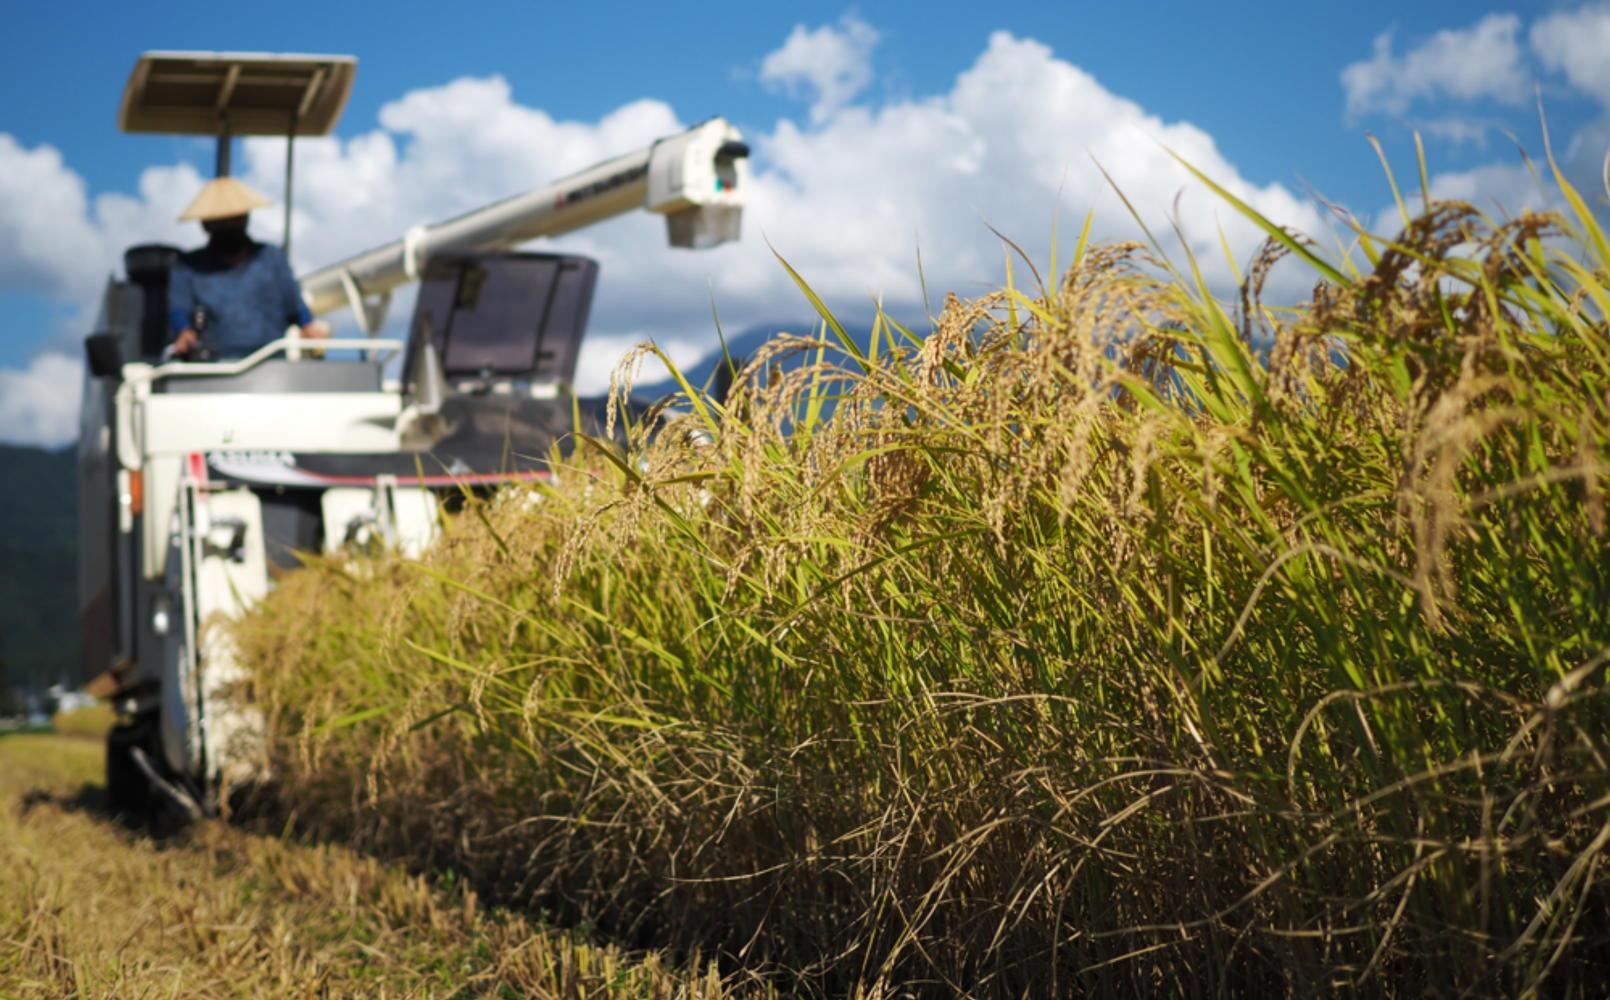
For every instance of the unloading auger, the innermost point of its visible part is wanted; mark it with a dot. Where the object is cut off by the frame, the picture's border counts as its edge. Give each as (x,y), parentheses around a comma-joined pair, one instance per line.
(199,482)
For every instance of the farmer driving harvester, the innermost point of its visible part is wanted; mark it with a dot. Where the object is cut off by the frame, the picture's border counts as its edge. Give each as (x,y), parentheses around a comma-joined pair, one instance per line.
(233,295)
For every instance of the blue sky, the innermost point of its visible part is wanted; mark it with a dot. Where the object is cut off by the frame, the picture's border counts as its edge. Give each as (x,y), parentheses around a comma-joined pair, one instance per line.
(843,103)
(1261,77)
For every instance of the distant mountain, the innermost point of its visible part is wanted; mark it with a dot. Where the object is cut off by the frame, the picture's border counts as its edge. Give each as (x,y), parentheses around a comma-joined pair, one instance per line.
(38,566)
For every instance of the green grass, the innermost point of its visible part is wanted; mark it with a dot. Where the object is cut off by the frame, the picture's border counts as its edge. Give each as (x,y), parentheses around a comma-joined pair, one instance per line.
(1108,638)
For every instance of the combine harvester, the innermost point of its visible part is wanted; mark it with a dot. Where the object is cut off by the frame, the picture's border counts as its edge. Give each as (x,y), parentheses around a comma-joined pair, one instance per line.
(200,481)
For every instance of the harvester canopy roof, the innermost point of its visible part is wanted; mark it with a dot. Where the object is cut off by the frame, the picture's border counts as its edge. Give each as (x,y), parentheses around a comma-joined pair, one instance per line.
(236,93)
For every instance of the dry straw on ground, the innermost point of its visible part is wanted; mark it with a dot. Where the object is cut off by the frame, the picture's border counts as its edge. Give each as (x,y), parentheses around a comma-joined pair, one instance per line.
(1104,639)
(91,910)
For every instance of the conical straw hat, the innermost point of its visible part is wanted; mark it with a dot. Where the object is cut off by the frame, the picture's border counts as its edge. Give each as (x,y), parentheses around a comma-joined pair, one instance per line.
(222,198)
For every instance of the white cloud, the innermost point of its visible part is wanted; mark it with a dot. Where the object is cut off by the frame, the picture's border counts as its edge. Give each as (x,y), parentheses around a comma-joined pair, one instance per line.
(1458,131)
(847,197)
(1482,61)
(44,225)
(39,404)
(1017,137)
(54,240)
(1506,189)
(1587,161)
(599,355)
(1577,43)
(1509,188)
(1487,61)
(440,150)
(830,64)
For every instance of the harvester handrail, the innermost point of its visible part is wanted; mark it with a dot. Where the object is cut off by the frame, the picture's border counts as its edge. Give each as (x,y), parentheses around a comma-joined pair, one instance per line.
(380,350)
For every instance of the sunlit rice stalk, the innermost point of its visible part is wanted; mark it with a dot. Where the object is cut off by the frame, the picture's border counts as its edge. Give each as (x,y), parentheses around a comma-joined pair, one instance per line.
(1101,638)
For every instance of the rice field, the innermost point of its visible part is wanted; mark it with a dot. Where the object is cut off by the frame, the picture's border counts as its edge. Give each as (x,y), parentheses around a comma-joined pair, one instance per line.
(1101,636)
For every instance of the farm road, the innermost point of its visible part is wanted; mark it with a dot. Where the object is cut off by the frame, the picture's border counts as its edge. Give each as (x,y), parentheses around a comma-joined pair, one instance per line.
(92,909)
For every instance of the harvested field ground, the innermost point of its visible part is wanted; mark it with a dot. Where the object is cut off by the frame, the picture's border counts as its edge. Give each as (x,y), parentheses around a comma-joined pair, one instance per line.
(90,908)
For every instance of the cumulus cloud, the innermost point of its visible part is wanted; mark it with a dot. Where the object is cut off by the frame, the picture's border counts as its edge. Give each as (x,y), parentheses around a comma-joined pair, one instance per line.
(1508,189)
(39,403)
(54,239)
(1019,132)
(439,151)
(1576,43)
(847,196)
(830,64)
(1487,61)
(1482,61)
(1511,188)
(1458,131)
(847,199)
(46,226)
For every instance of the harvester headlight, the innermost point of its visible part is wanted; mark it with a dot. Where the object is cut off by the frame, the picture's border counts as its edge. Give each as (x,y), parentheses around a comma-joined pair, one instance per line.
(226,537)
(363,530)
(161,614)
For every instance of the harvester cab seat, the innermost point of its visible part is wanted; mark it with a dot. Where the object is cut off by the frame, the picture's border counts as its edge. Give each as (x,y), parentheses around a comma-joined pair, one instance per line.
(141,321)
(148,266)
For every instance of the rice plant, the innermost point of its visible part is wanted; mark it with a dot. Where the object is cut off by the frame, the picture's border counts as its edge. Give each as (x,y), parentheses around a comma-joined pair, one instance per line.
(1103,637)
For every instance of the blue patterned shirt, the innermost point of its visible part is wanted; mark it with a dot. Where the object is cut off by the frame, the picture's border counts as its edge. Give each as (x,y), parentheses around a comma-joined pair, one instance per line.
(247,305)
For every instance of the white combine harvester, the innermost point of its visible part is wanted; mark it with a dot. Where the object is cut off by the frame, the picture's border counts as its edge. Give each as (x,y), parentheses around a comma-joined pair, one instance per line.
(200,481)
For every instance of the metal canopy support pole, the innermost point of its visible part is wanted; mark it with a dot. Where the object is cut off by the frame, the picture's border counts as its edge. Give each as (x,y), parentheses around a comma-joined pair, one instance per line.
(221,163)
(290,167)
(308,93)
(226,90)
